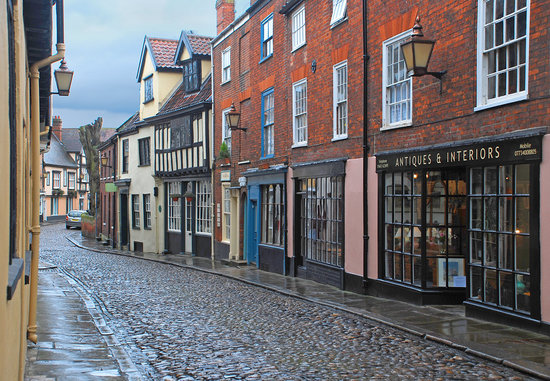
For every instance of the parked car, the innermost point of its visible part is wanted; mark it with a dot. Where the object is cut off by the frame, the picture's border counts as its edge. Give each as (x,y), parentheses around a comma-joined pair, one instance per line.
(74,218)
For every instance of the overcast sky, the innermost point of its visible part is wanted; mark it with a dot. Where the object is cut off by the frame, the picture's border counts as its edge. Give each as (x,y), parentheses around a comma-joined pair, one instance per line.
(104,40)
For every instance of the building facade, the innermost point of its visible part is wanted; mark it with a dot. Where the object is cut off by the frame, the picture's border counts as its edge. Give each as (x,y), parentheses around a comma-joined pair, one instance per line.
(291,192)
(457,177)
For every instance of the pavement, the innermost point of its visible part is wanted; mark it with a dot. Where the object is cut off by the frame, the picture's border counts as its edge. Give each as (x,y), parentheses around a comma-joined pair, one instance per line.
(79,316)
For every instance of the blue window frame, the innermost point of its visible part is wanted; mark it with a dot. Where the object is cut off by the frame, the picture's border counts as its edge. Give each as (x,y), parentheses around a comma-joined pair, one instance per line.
(267,37)
(268,120)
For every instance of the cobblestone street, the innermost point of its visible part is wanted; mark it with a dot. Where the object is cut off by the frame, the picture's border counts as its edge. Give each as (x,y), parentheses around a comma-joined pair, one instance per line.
(181,324)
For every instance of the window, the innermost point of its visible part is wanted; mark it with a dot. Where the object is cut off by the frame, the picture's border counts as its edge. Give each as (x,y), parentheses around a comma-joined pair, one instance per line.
(144,157)
(204,206)
(56,179)
(135,211)
(148,89)
(48,178)
(397,85)
(267,37)
(55,206)
(191,75)
(299,28)
(226,213)
(322,219)
(299,109)
(340,99)
(64,177)
(12,135)
(125,153)
(174,207)
(226,131)
(272,212)
(180,132)
(226,65)
(147,211)
(500,236)
(502,59)
(268,104)
(69,203)
(338,11)
(72,182)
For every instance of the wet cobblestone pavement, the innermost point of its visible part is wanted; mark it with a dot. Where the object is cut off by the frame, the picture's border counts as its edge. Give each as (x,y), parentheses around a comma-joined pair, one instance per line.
(181,324)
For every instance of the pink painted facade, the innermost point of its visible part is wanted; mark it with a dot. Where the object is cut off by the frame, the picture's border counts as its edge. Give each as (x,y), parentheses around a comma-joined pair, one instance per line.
(544,228)
(354,217)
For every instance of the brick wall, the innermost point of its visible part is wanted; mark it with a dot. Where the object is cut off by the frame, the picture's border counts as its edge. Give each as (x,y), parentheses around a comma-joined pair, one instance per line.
(451,116)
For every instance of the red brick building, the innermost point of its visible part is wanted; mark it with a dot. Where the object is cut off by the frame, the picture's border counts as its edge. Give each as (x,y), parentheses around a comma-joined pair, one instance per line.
(458,174)
(292,189)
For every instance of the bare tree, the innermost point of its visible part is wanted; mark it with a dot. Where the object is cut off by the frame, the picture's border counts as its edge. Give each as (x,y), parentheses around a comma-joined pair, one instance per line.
(90,139)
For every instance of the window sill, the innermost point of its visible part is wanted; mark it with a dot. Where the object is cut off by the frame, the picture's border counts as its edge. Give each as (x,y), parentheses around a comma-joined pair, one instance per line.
(339,22)
(14,274)
(396,125)
(265,58)
(204,234)
(223,83)
(267,157)
(299,145)
(148,101)
(502,102)
(338,138)
(298,47)
(134,228)
(144,165)
(147,229)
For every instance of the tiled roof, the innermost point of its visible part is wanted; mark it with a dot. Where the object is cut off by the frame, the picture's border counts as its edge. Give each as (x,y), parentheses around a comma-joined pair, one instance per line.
(129,124)
(58,156)
(199,44)
(164,51)
(106,133)
(71,139)
(181,99)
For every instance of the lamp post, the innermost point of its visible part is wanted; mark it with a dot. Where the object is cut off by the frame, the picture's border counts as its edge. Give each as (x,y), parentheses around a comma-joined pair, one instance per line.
(417,53)
(63,79)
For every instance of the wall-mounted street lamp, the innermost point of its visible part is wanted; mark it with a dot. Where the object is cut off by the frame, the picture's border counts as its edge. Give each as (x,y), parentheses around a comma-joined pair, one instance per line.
(232,118)
(104,161)
(417,53)
(63,79)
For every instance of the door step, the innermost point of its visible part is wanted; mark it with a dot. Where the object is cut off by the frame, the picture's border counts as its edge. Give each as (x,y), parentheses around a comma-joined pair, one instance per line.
(234,262)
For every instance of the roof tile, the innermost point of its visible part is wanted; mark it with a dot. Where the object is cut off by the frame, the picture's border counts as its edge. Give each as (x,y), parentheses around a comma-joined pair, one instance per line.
(164,50)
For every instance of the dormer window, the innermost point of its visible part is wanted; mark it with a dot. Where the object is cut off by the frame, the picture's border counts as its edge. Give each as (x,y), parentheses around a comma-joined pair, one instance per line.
(148,89)
(191,75)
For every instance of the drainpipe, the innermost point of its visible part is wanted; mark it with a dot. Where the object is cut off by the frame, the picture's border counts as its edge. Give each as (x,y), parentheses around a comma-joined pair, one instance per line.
(35,165)
(365,152)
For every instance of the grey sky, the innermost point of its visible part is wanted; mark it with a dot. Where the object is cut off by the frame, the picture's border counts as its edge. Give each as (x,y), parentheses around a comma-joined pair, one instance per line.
(104,40)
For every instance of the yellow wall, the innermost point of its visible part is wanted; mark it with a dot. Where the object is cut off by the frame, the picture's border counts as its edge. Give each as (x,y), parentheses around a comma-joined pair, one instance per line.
(14,312)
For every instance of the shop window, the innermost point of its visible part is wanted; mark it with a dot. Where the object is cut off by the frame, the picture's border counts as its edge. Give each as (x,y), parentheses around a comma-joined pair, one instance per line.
(174,207)
(204,206)
(226,213)
(500,231)
(272,212)
(322,219)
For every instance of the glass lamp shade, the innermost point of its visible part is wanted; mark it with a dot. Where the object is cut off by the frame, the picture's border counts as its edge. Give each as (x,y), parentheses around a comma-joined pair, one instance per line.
(63,79)
(104,160)
(233,117)
(417,54)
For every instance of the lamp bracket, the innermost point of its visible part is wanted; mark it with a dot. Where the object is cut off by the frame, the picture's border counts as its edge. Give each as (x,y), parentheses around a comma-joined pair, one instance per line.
(238,128)
(437,74)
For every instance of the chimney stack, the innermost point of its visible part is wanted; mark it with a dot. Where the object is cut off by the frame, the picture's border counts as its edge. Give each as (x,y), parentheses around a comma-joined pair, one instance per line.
(225,11)
(57,126)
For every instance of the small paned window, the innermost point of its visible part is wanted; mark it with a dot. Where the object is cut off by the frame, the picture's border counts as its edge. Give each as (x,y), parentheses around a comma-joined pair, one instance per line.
(226,65)
(299,103)
(148,89)
(397,88)
(298,27)
(147,211)
(340,100)
(267,37)
(180,132)
(268,138)
(144,153)
(72,180)
(226,213)
(191,75)
(48,178)
(56,179)
(174,207)
(338,11)
(135,211)
(226,131)
(204,207)
(503,54)
(272,214)
(125,155)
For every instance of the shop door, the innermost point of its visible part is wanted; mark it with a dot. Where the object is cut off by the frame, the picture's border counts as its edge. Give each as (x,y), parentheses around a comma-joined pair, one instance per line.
(188,227)
(253,233)
(123,219)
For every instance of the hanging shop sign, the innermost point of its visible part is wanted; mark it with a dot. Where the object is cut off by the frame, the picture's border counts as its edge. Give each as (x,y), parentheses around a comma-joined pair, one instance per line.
(487,153)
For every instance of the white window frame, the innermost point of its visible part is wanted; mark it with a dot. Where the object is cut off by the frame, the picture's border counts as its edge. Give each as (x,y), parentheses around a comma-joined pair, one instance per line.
(295,116)
(174,207)
(340,99)
(147,211)
(226,65)
(203,207)
(226,222)
(72,180)
(298,25)
(136,223)
(386,124)
(338,12)
(482,98)
(226,131)
(56,175)
(268,123)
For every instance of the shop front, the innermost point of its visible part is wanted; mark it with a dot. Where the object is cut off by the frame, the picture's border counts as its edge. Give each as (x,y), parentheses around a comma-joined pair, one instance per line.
(459,222)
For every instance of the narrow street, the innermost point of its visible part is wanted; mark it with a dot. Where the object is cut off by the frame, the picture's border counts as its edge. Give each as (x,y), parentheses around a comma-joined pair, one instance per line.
(180,324)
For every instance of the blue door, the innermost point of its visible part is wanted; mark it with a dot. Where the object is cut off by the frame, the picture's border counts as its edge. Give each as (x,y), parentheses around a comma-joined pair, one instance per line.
(253,233)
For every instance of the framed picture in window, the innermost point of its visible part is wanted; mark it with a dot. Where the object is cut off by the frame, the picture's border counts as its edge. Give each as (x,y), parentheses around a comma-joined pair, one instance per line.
(456,272)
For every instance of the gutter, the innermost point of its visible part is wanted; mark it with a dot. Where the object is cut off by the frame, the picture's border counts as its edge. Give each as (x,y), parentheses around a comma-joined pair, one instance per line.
(35,165)
(365,152)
